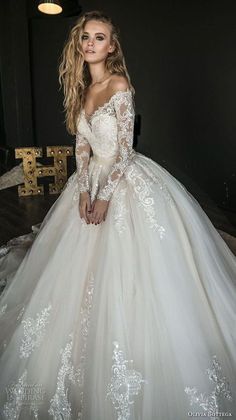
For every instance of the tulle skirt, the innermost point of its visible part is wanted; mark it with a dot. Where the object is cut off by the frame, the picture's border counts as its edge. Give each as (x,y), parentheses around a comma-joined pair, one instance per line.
(131,319)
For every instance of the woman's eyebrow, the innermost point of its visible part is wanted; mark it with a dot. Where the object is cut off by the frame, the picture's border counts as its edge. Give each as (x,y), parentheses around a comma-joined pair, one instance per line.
(97,33)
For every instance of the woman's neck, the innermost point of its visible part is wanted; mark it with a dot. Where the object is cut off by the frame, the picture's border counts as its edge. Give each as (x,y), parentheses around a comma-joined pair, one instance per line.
(98,73)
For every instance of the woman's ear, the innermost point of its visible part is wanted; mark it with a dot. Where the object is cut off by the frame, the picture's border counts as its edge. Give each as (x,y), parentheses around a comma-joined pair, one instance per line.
(112,48)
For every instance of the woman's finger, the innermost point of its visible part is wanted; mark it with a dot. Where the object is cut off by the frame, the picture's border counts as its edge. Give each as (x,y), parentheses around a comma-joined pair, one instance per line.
(85,214)
(96,217)
(97,221)
(92,217)
(104,216)
(100,219)
(80,211)
(89,206)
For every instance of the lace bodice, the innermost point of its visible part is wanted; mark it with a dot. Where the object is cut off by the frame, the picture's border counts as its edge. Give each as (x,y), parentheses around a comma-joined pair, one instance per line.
(108,134)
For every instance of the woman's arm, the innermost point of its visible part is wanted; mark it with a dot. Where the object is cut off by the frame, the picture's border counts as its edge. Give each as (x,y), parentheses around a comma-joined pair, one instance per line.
(125,114)
(82,155)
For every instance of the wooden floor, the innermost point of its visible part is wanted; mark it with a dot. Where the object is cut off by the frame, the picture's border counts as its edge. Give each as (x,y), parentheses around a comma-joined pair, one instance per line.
(18,214)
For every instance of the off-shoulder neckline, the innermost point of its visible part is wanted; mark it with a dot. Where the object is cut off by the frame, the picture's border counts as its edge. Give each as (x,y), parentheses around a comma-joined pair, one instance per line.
(88,117)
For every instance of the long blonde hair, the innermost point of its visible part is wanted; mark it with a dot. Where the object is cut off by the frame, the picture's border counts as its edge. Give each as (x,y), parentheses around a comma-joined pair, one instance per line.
(74,73)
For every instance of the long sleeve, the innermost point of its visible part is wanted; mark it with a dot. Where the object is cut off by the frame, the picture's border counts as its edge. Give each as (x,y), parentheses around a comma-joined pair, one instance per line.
(82,155)
(125,114)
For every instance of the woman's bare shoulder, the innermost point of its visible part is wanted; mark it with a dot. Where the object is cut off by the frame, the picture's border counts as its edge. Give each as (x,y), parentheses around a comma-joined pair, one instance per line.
(118,83)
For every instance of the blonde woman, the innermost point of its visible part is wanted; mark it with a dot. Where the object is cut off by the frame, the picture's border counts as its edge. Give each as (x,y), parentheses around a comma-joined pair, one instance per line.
(124,306)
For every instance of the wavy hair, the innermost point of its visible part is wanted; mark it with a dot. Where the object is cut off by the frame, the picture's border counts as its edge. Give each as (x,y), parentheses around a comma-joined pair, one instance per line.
(74,73)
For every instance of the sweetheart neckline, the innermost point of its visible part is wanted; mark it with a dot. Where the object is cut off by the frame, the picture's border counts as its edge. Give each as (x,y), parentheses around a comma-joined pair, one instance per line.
(90,116)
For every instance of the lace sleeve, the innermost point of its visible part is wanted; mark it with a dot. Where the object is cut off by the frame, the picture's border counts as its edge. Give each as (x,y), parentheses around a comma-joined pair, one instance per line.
(82,155)
(125,114)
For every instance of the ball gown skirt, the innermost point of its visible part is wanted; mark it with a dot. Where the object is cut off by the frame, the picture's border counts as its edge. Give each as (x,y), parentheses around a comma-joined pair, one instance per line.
(131,319)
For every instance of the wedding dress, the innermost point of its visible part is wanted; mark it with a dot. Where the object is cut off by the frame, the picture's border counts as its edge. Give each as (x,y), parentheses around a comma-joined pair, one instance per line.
(130,319)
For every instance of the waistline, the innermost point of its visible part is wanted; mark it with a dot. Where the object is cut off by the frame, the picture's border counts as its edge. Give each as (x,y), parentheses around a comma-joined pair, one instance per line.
(108,160)
(103,160)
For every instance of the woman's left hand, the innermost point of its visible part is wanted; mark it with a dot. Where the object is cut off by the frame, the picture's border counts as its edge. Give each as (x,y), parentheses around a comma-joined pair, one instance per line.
(98,211)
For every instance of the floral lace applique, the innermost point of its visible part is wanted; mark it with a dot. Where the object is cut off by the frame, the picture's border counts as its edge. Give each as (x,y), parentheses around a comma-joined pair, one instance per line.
(85,310)
(157,180)
(85,323)
(119,208)
(60,407)
(123,105)
(3,250)
(125,383)
(22,395)
(82,154)
(106,108)
(76,193)
(211,403)
(20,313)
(144,193)
(3,310)
(34,330)
(95,181)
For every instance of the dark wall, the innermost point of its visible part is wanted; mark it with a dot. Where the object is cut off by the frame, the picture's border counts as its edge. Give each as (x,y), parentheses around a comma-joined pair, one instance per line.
(181,59)
(15,73)
(47,39)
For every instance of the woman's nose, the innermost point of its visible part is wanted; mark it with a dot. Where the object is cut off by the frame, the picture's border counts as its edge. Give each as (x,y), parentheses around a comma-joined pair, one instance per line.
(90,42)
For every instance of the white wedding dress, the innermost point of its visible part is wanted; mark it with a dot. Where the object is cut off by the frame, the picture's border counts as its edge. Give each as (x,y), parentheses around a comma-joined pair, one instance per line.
(131,319)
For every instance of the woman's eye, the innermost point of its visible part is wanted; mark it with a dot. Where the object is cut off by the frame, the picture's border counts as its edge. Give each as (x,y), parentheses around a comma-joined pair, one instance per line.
(100,38)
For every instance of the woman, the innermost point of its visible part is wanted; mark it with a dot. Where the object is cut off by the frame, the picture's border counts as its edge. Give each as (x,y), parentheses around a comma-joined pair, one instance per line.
(123,307)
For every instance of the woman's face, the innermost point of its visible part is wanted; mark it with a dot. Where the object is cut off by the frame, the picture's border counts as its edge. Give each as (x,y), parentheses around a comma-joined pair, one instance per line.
(96,41)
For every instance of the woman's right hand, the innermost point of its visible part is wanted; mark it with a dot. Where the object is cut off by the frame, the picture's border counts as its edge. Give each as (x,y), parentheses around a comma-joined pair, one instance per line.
(84,206)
